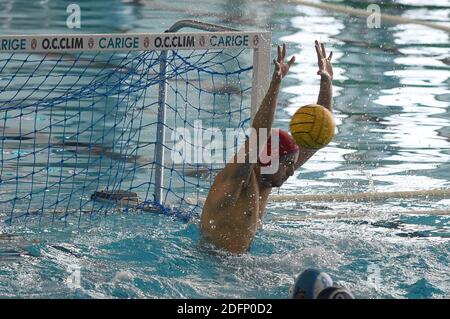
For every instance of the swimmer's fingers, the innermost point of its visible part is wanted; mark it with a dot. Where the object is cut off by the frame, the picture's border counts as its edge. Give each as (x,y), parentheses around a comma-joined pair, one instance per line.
(318,50)
(282,67)
(291,61)
(324,62)
(324,53)
(279,56)
(277,64)
(277,71)
(281,53)
(319,54)
(320,59)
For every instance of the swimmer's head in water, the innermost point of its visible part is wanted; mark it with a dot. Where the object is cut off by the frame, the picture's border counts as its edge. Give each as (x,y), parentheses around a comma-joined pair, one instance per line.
(287,153)
(309,284)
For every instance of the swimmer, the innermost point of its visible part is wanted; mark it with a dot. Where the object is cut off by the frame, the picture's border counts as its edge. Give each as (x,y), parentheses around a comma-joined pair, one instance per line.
(235,205)
(309,284)
(316,284)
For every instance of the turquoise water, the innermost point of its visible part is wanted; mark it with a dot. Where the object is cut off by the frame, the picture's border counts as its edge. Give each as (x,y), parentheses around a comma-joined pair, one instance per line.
(392,100)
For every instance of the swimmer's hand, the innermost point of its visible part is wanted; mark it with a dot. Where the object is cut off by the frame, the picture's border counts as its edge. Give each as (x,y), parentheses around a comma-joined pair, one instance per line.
(281,68)
(325,67)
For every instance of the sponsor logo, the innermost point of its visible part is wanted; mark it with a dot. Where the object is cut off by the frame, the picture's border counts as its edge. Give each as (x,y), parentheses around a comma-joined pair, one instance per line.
(255,40)
(62,43)
(119,43)
(202,41)
(229,41)
(177,41)
(13,44)
(56,43)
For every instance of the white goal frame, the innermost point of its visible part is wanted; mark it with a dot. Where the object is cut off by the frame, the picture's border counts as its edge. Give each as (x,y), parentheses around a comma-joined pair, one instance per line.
(212,37)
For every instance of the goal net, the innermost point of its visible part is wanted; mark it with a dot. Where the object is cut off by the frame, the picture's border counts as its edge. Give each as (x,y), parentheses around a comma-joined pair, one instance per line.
(92,124)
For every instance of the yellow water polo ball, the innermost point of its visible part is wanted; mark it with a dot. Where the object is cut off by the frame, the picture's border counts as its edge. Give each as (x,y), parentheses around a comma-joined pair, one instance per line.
(312,126)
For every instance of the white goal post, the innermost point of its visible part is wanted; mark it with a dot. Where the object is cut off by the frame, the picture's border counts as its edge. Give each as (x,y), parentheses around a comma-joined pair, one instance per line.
(22,53)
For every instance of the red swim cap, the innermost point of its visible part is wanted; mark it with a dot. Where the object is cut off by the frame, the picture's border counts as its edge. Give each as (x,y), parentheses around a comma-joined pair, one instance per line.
(287,145)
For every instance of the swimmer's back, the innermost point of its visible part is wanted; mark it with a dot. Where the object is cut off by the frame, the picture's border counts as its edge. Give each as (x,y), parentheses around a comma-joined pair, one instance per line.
(230,214)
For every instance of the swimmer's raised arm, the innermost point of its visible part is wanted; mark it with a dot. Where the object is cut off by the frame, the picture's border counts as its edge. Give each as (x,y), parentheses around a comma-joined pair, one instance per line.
(264,116)
(325,94)
(236,175)
(266,112)
(326,76)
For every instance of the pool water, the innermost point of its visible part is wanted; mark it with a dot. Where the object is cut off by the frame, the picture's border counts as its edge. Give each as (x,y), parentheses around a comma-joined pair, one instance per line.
(392,98)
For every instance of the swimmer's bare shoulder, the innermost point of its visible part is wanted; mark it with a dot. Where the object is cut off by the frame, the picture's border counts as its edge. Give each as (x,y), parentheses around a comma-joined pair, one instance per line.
(229,184)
